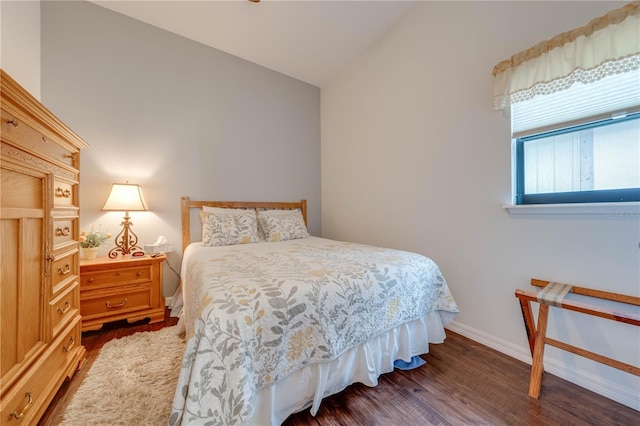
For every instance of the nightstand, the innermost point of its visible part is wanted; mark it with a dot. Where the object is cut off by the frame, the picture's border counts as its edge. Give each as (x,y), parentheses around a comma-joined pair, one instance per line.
(125,288)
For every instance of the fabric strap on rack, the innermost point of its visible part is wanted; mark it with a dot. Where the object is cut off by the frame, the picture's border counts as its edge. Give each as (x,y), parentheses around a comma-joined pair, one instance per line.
(553,294)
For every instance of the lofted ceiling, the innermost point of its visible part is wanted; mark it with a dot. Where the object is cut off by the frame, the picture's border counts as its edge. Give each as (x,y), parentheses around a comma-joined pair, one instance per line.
(310,40)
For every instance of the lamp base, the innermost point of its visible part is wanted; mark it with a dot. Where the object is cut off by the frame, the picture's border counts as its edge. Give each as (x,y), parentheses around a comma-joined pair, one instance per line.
(126,241)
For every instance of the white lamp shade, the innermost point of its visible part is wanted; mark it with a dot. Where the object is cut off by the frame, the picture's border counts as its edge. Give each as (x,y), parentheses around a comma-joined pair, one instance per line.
(125,197)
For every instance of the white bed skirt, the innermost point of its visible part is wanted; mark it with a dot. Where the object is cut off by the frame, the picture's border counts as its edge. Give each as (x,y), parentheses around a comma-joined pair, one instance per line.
(364,364)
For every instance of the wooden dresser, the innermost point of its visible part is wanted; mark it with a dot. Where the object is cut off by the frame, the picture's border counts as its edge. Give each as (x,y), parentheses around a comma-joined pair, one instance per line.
(39,253)
(123,288)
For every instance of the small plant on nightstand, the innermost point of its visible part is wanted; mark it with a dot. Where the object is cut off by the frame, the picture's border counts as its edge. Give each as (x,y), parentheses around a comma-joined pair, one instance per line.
(90,241)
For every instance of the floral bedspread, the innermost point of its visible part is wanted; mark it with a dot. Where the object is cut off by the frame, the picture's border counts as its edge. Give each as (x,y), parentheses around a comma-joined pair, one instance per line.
(254,313)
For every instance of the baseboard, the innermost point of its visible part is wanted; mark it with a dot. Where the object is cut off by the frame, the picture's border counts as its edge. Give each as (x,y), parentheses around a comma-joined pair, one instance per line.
(623,395)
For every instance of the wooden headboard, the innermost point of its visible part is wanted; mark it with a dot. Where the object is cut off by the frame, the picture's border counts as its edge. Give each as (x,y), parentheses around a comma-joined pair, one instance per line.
(188,204)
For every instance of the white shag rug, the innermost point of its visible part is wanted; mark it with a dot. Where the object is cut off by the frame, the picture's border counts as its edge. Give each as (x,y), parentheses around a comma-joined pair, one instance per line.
(131,382)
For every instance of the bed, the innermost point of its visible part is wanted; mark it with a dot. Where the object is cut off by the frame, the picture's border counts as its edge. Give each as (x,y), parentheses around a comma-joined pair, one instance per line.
(276,319)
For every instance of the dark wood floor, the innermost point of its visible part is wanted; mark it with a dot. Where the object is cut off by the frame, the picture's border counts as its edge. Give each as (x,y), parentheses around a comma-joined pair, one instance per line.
(463,383)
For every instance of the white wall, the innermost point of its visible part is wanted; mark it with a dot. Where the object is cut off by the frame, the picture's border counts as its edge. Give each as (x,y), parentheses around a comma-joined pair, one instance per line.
(414,157)
(20,43)
(176,117)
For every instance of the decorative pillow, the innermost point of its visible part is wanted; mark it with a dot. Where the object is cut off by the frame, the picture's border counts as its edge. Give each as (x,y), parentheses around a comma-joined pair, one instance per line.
(282,225)
(223,210)
(224,229)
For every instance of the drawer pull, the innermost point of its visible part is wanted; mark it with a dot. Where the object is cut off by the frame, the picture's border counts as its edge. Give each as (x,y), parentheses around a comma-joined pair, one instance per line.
(67,270)
(13,121)
(67,306)
(138,274)
(90,280)
(68,348)
(63,232)
(72,156)
(120,305)
(17,415)
(65,193)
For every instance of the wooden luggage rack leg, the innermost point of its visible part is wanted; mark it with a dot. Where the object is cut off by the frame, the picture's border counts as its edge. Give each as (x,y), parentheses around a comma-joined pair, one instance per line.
(555,297)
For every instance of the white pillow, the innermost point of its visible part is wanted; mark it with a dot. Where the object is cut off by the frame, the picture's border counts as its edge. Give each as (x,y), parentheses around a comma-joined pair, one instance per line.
(282,225)
(223,229)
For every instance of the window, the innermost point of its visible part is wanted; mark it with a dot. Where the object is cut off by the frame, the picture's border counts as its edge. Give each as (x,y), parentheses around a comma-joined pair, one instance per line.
(594,162)
(574,104)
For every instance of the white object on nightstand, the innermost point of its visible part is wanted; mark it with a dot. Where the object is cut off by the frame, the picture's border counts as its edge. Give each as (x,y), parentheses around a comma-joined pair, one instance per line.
(160,246)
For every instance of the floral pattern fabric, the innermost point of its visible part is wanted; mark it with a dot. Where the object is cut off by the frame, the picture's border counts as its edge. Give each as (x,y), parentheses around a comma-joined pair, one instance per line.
(220,229)
(254,314)
(283,225)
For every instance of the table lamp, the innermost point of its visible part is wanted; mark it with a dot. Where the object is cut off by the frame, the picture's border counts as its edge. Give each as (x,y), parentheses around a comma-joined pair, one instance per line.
(125,197)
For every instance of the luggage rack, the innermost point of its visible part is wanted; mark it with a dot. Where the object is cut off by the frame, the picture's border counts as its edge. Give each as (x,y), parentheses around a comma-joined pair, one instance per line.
(553,294)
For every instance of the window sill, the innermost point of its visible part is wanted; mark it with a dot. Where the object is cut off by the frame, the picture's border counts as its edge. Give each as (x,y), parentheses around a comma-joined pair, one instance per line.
(619,210)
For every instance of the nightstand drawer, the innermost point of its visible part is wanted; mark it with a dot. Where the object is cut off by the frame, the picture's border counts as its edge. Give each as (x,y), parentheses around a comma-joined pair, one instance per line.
(124,288)
(127,299)
(116,276)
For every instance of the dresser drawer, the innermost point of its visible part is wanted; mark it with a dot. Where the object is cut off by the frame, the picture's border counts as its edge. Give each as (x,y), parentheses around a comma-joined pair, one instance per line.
(64,308)
(127,299)
(64,194)
(66,347)
(64,230)
(64,269)
(136,274)
(15,129)
(26,401)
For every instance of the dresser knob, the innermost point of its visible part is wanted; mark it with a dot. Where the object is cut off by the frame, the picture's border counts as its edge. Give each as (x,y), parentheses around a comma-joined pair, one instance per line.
(13,121)
(90,280)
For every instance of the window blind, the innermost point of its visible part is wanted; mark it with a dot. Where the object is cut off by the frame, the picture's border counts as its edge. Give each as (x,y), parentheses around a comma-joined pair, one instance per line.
(614,95)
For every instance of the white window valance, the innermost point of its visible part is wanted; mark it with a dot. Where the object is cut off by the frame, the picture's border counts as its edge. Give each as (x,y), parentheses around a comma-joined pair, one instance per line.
(607,46)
